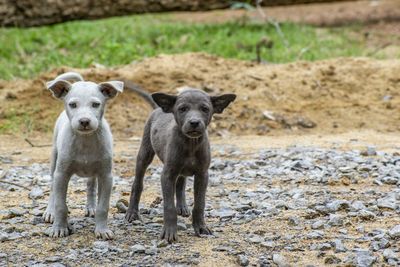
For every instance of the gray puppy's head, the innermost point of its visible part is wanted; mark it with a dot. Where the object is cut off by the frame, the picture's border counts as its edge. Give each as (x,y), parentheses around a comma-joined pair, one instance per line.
(84,102)
(192,109)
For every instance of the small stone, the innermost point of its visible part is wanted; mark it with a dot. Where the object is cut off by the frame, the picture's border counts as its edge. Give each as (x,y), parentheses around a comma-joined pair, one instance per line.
(138,248)
(3,236)
(162,243)
(151,251)
(367,215)
(292,220)
(268,244)
(318,224)
(122,205)
(395,232)
(332,259)
(101,246)
(389,254)
(221,248)
(387,204)
(336,220)
(357,205)
(370,151)
(36,193)
(53,259)
(362,259)
(390,180)
(224,213)
(242,260)
(338,245)
(280,260)
(324,246)
(317,234)
(339,204)
(255,240)
(37,212)
(36,220)
(14,212)
(181,226)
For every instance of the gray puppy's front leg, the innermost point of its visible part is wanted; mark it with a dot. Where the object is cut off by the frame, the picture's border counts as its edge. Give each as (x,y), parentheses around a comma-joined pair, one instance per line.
(105,185)
(200,188)
(168,179)
(60,186)
(91,191)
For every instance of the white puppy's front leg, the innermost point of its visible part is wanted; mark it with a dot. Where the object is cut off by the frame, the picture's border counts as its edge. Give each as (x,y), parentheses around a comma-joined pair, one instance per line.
(60,186)
(105,183)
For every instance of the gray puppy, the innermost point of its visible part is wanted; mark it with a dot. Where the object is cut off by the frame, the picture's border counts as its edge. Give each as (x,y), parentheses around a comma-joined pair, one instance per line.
(83,145)
(177,133)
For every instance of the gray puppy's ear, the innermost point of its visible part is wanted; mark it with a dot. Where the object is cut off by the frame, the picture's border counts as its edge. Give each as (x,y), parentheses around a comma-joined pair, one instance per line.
(111,89)
(221,102)
(165,101)
(60,88)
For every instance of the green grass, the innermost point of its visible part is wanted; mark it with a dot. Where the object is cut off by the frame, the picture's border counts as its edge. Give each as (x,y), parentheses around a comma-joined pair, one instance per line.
(117,41)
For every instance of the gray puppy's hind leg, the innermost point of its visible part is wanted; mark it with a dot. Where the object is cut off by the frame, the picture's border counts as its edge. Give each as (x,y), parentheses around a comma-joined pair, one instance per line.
(48,215)
(181,206)
(91,191)
(144,158)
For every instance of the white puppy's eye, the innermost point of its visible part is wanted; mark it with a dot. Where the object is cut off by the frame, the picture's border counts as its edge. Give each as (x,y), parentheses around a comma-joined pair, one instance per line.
(72,105)
(95,104)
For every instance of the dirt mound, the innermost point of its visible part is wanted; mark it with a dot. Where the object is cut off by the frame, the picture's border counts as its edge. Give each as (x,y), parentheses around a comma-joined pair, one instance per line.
(329,96)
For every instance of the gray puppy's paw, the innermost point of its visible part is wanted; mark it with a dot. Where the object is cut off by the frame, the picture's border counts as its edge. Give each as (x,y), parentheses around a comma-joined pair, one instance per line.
(183,211)
(201,230)
(131,216)
(169,234)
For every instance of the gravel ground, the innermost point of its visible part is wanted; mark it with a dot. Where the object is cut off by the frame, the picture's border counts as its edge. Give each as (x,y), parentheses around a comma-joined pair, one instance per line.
(294,206)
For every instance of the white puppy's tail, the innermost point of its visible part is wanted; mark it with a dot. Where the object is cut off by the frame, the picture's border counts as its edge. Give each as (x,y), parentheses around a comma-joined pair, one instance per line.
(69,76)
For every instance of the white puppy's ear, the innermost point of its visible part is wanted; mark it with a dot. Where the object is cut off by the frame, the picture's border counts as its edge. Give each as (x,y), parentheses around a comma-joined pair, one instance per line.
(70,76)
(60,88)
(111,89)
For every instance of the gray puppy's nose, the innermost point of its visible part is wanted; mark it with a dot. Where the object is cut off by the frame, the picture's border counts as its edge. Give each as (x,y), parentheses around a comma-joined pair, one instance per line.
(84,122)
(194,123)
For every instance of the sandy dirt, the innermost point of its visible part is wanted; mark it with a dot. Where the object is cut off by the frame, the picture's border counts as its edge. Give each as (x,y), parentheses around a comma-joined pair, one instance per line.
(329,96)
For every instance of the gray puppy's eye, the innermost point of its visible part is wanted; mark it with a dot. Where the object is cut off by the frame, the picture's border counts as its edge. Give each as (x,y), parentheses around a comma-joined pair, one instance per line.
(72,105)
(183,109)
(95,104)
(205,109)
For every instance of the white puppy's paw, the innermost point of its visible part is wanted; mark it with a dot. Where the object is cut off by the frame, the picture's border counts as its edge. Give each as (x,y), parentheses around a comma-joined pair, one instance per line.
(56,231)
(104,233)
(48,216)
(90,212)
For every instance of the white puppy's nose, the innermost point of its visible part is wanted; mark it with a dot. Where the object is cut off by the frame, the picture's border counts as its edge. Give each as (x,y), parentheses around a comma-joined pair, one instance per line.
(84,122)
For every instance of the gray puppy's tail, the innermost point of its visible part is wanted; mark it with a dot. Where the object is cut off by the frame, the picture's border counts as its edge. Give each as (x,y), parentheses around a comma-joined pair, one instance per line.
(141,92)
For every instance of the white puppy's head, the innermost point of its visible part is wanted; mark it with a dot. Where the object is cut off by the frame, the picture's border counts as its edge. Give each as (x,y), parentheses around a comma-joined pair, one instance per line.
(84,101)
